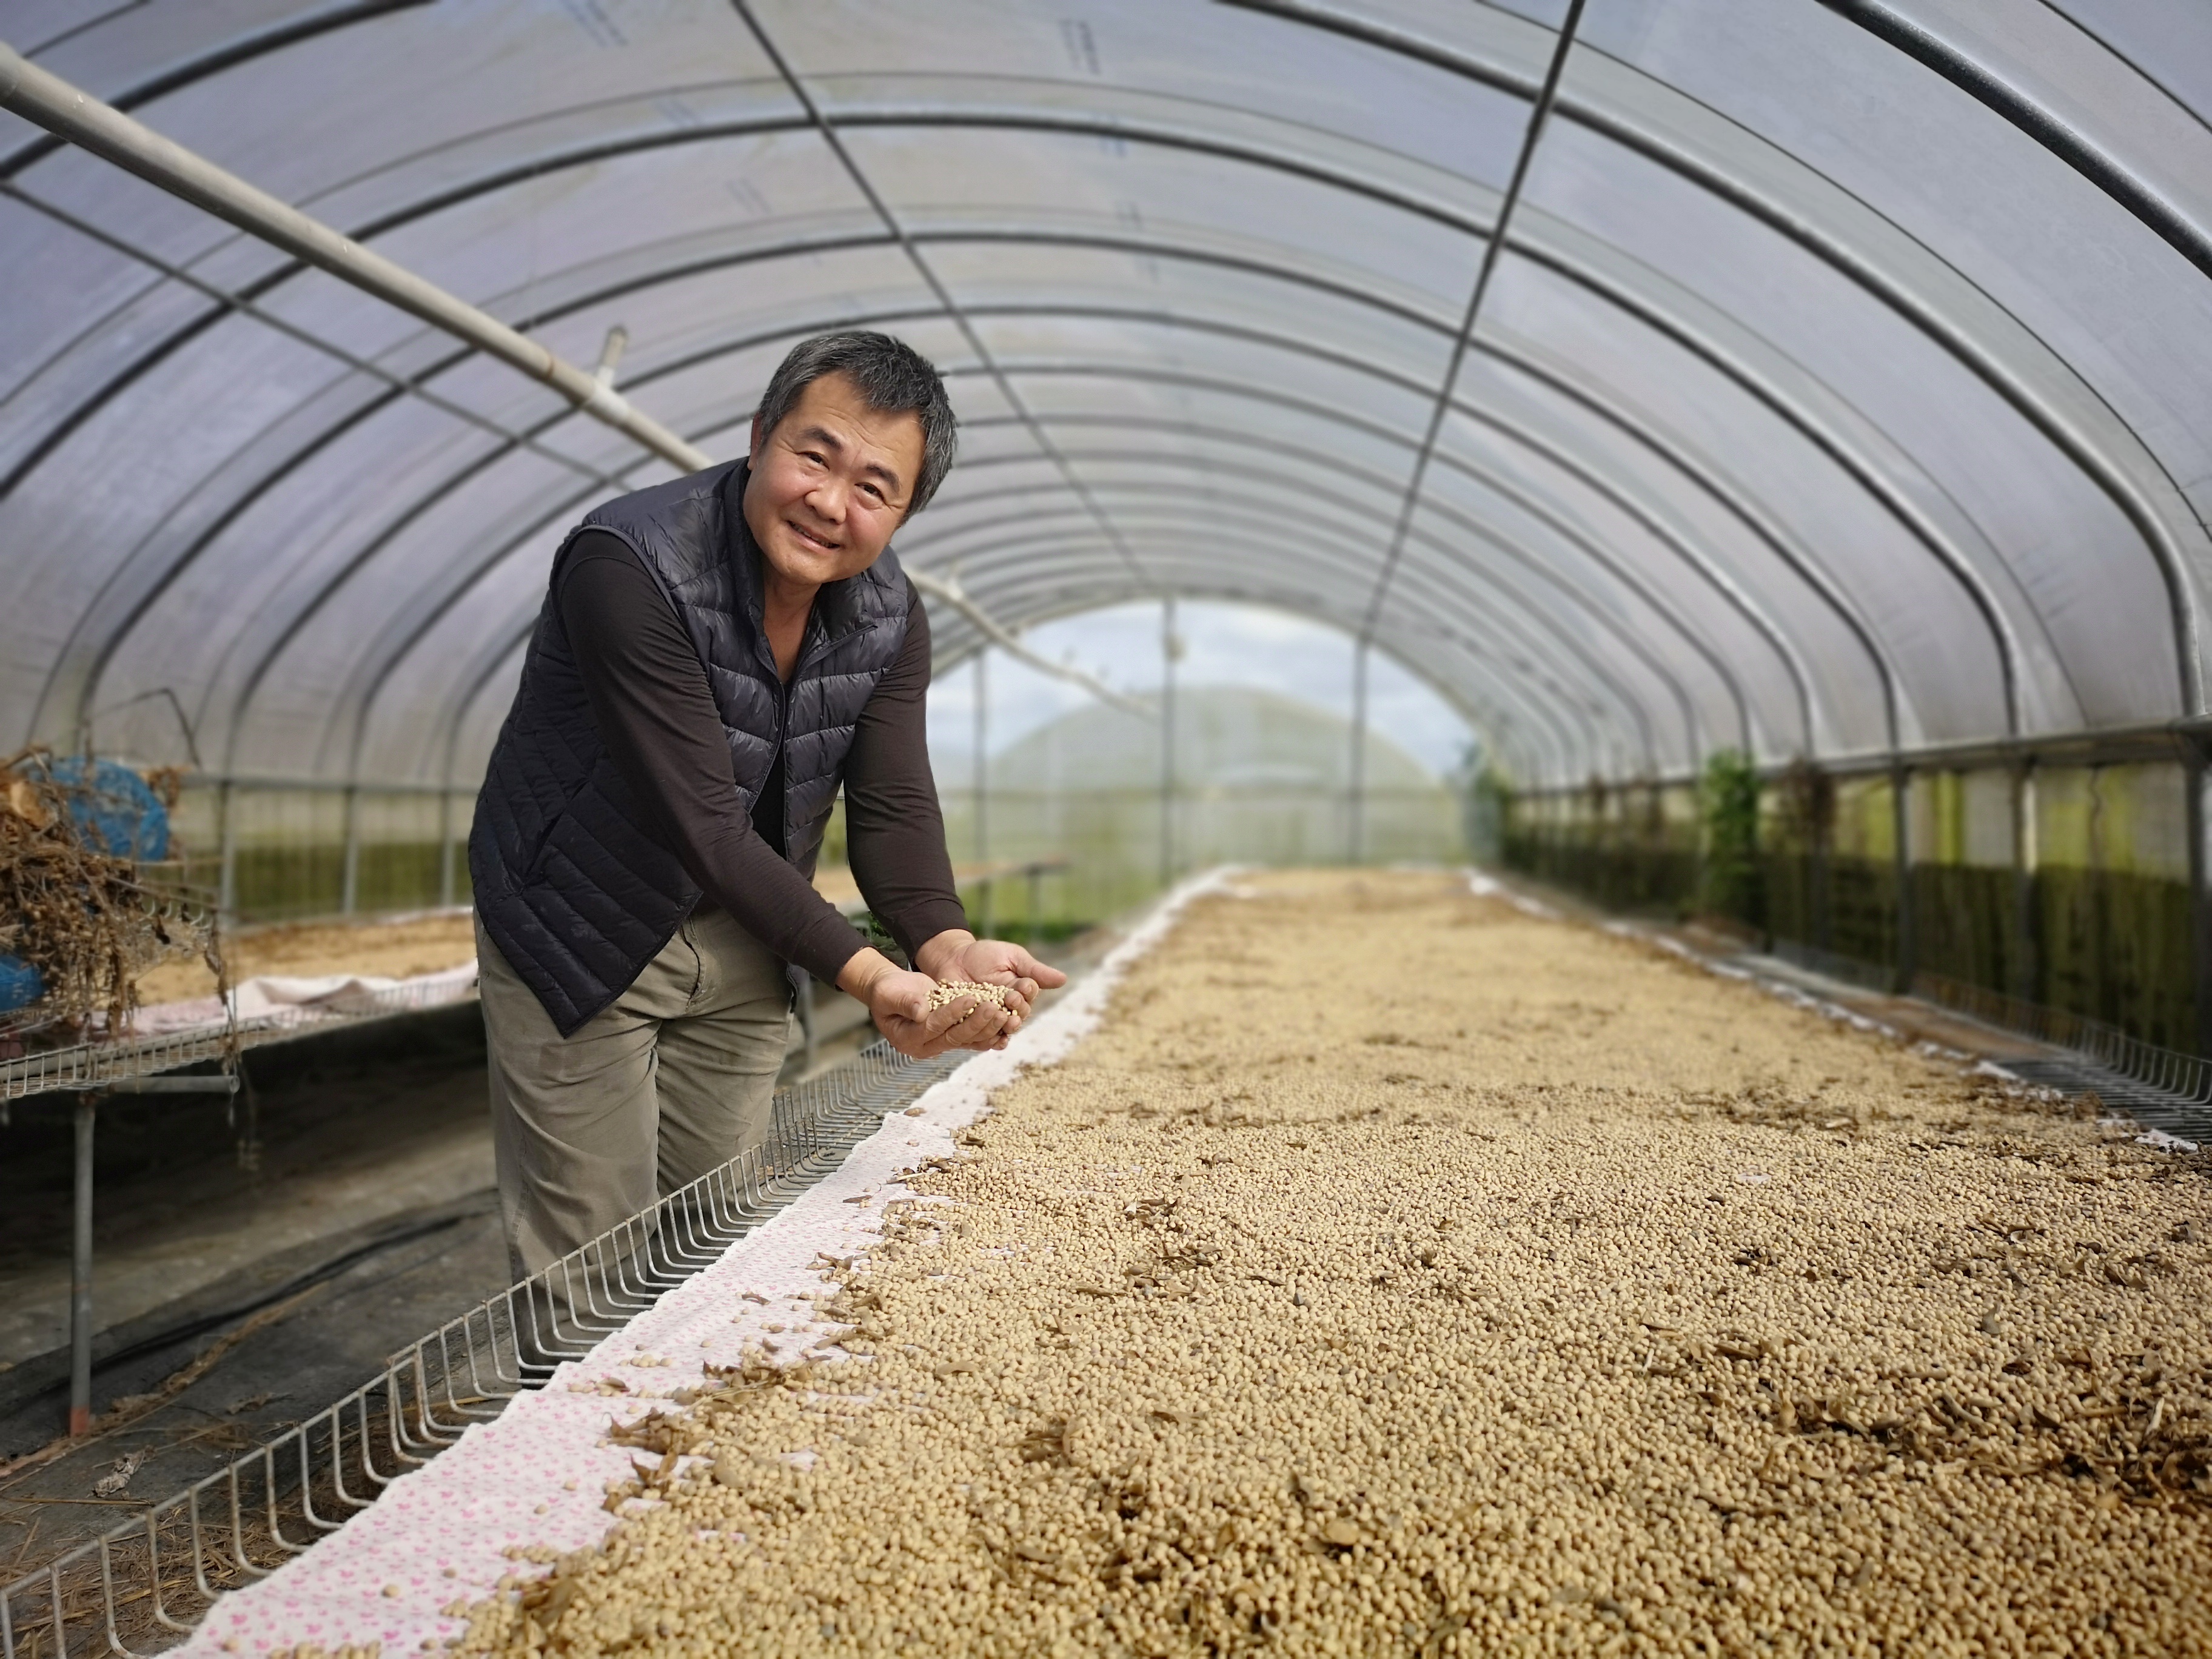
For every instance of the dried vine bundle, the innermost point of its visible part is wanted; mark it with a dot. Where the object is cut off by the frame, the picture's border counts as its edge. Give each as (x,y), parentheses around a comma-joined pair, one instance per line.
(78,912)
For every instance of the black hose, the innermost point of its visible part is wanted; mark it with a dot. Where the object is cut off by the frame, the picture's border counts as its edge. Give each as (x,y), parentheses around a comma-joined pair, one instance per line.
(322,1273)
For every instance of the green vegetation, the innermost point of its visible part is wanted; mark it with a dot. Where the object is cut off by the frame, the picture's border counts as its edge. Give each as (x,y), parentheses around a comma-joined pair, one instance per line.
(1727,807)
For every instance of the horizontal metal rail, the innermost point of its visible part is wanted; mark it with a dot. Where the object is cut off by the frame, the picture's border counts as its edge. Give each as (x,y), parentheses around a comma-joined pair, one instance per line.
(140,1588)
(99,1063)
(2188,1077)
(70,112)
(2178,740)
(2159,1088)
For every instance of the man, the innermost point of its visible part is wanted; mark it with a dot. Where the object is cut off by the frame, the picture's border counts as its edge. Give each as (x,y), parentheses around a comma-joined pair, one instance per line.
(715,657)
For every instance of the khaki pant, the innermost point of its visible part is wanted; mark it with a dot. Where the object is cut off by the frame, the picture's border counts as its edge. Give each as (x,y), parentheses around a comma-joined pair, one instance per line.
(672,1080)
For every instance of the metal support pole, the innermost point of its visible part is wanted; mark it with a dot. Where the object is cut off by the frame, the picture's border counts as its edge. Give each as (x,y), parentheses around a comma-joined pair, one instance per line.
(2197,787)
(226,902)
(1762,912)
(986,904)
(2027,965)
(445,849)
(2093,915)
(1171,648)
(248,1145)
(1356,796)
(350,888)
(1900,790)
(87,1105)
(1823,860)
(944,586)
(1037,907)
(806,1021)
(80,1407)
(979,777)
(37,95)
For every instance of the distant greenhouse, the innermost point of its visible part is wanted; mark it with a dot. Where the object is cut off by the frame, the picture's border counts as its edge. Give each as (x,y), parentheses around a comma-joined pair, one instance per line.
(1257,777)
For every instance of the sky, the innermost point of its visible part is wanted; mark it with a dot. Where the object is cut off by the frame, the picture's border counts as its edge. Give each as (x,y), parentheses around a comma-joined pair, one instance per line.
(1222,645)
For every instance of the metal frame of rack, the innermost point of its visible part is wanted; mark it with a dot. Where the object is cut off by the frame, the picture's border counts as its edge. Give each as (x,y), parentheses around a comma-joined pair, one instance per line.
(2187,1077)
(2162,1088)
(2158,1087)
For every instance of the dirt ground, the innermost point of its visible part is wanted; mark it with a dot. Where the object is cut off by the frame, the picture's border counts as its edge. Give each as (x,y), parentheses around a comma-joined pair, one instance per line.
(1395,1274)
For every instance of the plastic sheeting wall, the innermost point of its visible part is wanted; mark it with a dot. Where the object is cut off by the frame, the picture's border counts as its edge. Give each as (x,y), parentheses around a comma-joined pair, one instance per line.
(1843,387)
(1819,399)
(2067,886)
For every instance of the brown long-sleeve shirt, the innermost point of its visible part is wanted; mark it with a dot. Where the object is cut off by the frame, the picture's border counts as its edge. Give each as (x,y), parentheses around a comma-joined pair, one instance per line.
(650,699)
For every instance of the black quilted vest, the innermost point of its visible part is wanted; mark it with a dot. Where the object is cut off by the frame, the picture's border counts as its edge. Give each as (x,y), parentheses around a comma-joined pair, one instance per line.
(570,881)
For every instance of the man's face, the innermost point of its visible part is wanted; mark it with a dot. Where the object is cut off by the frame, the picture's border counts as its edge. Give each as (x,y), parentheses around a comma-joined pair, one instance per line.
(831,483)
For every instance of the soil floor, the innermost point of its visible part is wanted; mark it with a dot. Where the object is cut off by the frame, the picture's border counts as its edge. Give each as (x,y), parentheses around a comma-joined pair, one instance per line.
(1394,1273)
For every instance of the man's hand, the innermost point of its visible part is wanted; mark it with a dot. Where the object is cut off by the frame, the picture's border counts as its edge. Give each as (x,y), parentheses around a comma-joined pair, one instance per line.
(956,954)
(898,1001)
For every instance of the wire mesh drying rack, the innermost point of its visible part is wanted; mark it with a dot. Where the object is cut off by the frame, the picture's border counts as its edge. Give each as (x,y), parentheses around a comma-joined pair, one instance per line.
(2158,1087)
(142,1063)
(149,1582)
(102,1061)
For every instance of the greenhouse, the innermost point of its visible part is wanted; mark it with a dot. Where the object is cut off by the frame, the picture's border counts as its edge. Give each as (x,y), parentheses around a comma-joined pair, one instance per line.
(1417,790)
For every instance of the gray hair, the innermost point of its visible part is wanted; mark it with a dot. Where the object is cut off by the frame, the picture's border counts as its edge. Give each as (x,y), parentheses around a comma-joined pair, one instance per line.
(892,378)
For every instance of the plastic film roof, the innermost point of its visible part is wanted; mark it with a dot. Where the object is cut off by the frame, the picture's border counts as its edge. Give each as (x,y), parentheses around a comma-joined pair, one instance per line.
(1842,382)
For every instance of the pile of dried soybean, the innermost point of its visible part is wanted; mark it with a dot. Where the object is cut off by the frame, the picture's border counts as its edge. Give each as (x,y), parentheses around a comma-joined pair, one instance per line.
(1392,1273)
(953,990)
